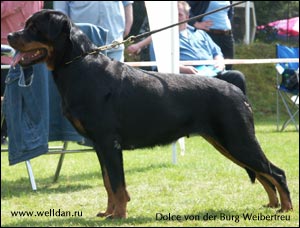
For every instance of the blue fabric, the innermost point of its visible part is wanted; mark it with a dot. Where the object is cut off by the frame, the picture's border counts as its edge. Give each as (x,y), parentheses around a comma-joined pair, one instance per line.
(283,51)
(220,19)
(33,113)
(287,52)
(198,46)
(200,7)
(26,112)
(209,71)
(97,34)
(32,108)
(107,14)
(284,89)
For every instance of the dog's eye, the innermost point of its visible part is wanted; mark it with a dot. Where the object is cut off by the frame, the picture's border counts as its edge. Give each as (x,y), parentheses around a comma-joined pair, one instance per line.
(33,29)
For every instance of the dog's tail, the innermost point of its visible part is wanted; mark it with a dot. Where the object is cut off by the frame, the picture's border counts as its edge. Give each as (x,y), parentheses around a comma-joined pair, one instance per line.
(251,174)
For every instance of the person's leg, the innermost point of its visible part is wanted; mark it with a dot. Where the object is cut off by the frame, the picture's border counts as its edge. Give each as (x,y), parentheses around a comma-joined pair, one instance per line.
(234,77)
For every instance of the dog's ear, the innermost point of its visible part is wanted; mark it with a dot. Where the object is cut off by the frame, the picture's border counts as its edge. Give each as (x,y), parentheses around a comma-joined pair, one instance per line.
(58,25)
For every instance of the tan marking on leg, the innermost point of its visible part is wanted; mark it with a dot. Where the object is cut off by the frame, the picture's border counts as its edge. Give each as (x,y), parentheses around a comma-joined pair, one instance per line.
(121,198)
(110,203)
(223,151)
(273,200)
(117,202)
(78,126)
(286,204)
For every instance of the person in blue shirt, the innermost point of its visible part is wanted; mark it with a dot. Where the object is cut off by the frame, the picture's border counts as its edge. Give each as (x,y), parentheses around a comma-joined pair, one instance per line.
(115,16)
(197,45)
(217,25)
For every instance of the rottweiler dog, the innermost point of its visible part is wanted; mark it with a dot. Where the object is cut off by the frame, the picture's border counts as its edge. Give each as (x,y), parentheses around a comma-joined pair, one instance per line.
(121,108)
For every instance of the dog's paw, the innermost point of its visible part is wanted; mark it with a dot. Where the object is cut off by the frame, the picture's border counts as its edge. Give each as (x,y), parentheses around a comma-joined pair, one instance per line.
(103,214)
(112,216)
(272,205)
(285,208)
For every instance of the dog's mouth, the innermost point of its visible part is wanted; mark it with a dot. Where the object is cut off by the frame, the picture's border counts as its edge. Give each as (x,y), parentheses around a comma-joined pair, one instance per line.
(29,58)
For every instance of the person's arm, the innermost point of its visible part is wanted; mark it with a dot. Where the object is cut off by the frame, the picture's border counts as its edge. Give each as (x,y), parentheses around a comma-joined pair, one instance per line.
(204,25)
(187,70)
(220,62)
(215,51)
(128,19)
(136,48)
(10,7)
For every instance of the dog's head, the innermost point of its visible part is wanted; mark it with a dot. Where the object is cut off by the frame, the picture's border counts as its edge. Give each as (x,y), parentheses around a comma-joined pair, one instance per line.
(44,32)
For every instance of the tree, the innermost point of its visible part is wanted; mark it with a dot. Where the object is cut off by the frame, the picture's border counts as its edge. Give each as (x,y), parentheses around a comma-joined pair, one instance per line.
(268,11)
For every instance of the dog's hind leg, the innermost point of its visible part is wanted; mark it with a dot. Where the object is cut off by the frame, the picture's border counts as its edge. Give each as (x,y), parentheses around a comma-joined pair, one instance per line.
(270,189)
(270,176)
(254,161)
(268,186)
(277,178)
(114,181)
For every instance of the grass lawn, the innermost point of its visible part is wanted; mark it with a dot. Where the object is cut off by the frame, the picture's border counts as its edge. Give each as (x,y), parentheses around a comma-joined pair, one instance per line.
(203,189)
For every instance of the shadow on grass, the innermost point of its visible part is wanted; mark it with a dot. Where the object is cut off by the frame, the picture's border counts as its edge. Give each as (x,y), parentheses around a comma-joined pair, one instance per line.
(149,167)
(79,222)
(46,185)
(22,186)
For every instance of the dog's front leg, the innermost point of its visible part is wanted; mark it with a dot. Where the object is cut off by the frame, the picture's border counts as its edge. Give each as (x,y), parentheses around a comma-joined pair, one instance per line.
(111,161)
(110,204)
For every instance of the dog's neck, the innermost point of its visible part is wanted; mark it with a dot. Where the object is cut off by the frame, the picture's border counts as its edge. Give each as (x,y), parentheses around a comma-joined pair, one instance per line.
(80,47)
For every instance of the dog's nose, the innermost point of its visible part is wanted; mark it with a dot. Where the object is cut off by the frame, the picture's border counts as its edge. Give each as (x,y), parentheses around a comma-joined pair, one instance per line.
(9,37)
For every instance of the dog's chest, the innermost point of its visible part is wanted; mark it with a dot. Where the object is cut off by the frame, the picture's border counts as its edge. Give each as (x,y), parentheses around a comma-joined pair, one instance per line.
(76,123)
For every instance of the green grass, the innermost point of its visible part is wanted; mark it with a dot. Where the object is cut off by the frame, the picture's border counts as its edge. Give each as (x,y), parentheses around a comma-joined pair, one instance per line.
(202,184)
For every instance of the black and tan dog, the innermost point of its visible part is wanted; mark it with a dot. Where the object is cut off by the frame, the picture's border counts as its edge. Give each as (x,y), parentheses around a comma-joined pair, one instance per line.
(119,107)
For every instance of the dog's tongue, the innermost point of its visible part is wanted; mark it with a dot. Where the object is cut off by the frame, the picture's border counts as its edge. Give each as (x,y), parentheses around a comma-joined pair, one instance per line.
(17,58)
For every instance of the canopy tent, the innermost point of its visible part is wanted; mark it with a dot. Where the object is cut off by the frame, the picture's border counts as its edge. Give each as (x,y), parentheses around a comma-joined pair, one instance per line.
(285,27)
(288,27)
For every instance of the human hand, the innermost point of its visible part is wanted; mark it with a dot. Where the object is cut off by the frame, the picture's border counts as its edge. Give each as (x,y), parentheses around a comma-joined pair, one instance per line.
(188,70)
(133,49)
(220,65)
(204,25)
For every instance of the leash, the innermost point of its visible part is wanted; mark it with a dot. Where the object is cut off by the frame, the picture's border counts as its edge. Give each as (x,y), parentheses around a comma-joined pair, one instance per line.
(133,39)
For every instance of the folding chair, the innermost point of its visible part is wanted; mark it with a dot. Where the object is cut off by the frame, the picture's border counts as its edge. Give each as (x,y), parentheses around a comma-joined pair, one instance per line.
(288,85)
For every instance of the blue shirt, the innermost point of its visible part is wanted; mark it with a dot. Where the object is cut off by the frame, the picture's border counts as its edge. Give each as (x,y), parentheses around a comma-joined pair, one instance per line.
(197,45)
(220,19)
(109,15)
